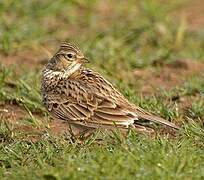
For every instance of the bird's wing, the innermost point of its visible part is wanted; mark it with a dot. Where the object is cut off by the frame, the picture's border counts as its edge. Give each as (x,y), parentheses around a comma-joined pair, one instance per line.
(93,100)
(85,104)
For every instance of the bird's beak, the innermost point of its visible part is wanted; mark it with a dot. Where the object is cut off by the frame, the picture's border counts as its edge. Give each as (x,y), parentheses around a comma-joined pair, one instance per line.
(83,60)
(86,60)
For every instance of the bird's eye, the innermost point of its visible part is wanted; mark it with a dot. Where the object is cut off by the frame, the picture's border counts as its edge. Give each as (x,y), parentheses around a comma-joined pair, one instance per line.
(69,55)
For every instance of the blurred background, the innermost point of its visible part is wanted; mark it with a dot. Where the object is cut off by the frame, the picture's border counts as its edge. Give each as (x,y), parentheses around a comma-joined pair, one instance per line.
(152,50)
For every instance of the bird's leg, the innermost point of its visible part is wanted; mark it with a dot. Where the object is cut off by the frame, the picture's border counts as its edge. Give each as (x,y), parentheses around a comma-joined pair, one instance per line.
(73,136)
(79,132)
(84,135)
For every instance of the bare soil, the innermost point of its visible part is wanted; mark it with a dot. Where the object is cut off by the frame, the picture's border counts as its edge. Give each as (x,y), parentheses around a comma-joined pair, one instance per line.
(168,76)
(194,14)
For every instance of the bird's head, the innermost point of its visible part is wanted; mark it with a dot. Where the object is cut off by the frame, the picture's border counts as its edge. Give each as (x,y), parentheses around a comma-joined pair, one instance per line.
(68,59)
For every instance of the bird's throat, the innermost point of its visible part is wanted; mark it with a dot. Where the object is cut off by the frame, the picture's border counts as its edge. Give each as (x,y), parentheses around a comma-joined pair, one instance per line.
(72,69)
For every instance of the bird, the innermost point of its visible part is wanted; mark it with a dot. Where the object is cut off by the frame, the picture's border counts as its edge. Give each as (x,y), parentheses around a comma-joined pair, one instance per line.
(86,100)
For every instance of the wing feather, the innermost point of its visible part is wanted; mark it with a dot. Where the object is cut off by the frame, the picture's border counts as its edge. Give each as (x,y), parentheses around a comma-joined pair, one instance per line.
(84,100)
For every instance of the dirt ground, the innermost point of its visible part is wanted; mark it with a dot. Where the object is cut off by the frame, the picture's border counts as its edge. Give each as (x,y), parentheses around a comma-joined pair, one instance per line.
(194,13)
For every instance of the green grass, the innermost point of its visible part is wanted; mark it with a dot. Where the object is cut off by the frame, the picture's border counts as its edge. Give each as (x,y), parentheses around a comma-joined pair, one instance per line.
(137,156)
(118,37)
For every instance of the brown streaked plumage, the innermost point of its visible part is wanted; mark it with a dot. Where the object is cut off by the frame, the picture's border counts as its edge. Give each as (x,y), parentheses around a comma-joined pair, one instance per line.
(84,98)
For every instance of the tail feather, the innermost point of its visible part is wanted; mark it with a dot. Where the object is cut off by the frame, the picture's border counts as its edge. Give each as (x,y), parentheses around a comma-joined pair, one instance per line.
(158,120)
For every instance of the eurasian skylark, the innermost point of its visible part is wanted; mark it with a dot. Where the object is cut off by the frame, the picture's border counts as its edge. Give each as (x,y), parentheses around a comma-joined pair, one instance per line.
(86,100)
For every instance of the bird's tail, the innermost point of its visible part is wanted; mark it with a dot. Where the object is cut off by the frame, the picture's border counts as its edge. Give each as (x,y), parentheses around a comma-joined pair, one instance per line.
(143,115)
(158,120)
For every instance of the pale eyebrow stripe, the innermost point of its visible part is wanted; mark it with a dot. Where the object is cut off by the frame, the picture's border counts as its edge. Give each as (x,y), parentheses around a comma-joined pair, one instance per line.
(64,51)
